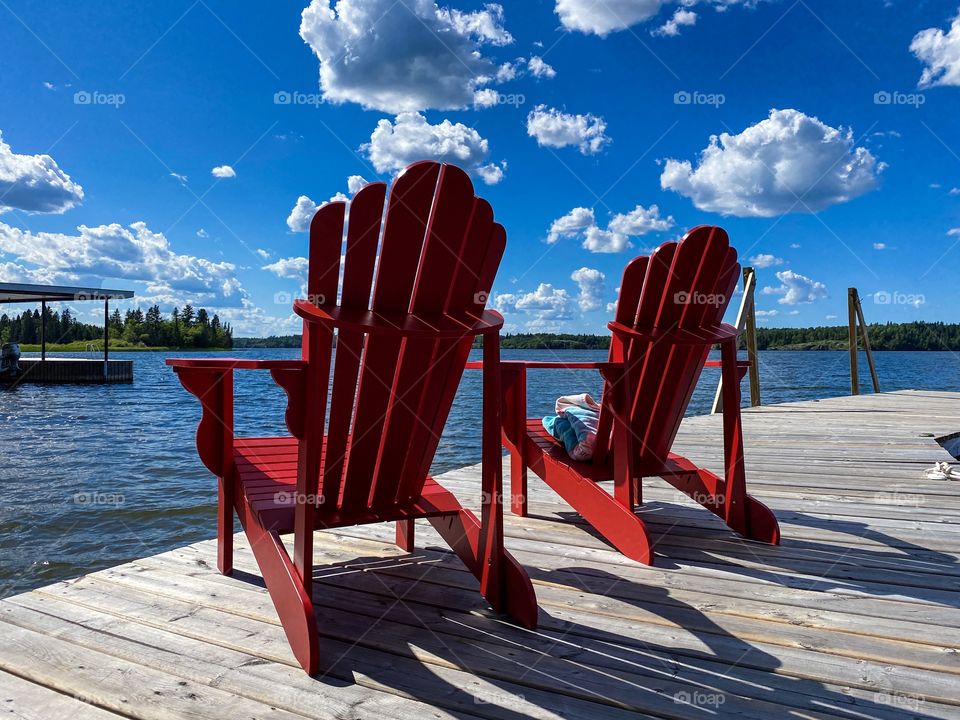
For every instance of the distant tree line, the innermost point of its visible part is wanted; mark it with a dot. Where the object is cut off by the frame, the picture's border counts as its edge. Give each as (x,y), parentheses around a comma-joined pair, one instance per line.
(551,341)
(185,328)
(889,336)
(883,336)
(274,341)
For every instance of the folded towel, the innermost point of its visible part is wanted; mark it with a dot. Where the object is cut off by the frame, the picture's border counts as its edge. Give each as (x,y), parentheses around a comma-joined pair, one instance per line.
(575,425)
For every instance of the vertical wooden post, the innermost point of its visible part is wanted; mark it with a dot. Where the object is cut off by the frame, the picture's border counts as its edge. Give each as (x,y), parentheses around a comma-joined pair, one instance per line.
(852,339)
(43,330)
(106,335)
(866,344)
(750,284)
(746,320)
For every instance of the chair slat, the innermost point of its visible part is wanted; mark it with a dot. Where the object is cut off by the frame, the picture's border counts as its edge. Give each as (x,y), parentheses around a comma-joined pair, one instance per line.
(701,261)
(411,200)
(467,275)
(417,369)
(363,235)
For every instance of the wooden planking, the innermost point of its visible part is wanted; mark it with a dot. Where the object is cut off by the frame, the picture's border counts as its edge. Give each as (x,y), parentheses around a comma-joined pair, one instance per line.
(25,700)
(854,616)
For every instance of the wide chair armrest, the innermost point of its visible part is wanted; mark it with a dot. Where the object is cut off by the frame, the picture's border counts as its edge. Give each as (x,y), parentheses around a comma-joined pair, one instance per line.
(545,365)
(210,380)
(708,335)
(225,364)
(408,325)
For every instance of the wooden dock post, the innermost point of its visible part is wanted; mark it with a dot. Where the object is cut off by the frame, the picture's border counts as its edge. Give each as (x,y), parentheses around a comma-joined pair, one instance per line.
(746,320)
(855,316)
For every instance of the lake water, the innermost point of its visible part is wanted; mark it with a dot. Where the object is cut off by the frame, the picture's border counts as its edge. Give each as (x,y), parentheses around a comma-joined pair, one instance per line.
(93,476)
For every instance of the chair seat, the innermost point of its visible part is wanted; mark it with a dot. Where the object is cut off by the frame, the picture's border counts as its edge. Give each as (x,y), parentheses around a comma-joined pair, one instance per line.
(553,451)
(267,473)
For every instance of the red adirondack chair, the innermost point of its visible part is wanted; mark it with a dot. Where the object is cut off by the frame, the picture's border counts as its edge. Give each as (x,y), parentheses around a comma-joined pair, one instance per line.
(400,352)
(668,317)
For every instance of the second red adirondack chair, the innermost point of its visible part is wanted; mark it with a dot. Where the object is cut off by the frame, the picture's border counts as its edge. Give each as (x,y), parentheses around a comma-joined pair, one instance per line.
(668,317)
(402,341)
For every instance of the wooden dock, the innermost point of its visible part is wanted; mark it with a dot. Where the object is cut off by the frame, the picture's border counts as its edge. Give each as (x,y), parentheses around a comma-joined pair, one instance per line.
(74,370)
(855,615)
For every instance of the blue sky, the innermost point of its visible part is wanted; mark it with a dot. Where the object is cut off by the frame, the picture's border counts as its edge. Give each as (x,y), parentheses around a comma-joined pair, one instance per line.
(584,122)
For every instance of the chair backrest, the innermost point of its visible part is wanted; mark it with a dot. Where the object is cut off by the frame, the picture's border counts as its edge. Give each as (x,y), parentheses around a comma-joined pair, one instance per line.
(688,285)
(434,253)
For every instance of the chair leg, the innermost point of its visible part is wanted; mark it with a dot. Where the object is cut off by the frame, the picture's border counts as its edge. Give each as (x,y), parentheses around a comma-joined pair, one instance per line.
(405,530)
(291,596)
(618,524)
(518,484)
(513,594)
(224,529)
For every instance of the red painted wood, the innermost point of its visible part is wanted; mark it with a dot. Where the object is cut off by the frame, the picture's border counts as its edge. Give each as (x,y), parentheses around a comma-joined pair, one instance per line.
(411,200)
(669,315)
(366,212)
(402,344)
(456,241)
(475,274)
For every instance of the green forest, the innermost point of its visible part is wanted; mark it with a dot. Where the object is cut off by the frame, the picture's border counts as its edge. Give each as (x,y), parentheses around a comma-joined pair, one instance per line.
(184,328)
(886,336)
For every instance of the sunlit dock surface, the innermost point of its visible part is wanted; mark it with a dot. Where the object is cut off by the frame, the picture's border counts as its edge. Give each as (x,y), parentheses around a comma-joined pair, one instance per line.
(855,615)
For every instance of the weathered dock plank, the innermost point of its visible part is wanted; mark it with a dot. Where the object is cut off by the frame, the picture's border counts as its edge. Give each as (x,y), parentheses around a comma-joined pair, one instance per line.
(855,615)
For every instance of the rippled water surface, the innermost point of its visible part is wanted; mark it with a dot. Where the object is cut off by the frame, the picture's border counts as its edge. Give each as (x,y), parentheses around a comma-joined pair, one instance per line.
(93,476)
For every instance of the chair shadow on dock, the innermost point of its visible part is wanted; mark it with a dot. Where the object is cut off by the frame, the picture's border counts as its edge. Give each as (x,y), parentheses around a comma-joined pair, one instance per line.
(905,568)
(413,625)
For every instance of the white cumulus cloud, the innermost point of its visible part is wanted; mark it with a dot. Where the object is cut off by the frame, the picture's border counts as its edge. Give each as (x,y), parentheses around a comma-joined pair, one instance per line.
(291,268)
(581,223)
(394,145)
(795,288)
(540,68)
(940,53)
(765,261)
(35,183)
(544,309)
(133,253)
(556,129)
(681,18)
(591,284)
(223,171)
(299,218)
(303,211)
(789,162)
(402,55)
(601,17)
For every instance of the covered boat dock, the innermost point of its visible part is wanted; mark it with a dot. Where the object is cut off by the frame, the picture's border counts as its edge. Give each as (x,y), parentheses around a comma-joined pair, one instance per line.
(73,369)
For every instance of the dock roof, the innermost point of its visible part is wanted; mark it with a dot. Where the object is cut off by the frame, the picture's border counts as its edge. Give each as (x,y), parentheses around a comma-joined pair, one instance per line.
(20,292)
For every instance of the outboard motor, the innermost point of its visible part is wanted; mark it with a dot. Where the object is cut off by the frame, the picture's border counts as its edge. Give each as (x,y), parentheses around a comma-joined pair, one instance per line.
(9,361)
